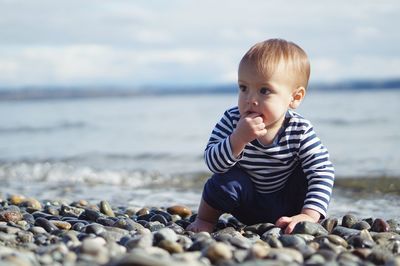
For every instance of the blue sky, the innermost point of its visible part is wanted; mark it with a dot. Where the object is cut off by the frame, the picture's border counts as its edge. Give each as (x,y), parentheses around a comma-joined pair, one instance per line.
(177,42)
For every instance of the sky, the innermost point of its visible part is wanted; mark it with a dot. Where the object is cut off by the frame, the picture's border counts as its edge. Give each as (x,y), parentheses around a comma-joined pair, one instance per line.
(188,42)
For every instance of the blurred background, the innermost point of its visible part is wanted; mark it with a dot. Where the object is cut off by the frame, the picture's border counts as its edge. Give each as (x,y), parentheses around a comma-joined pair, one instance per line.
(116,100)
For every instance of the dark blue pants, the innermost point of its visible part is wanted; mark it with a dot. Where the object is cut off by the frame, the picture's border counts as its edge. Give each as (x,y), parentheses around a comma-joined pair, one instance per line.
(233,192)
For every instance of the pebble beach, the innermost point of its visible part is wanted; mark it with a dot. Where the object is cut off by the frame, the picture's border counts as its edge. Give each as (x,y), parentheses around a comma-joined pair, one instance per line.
(51,232)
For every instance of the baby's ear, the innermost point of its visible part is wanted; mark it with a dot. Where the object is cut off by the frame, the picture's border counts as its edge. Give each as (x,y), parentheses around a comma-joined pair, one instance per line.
(297,96)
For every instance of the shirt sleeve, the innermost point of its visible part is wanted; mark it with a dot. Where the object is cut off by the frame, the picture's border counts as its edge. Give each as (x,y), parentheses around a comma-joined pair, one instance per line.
(314,158)
(218,153)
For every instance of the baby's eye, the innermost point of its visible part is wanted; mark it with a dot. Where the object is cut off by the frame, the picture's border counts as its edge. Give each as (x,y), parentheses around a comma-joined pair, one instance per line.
(242,88)
(265,91)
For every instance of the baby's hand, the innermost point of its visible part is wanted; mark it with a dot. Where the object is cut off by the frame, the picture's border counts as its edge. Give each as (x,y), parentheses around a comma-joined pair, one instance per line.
(288,223)
(250,127)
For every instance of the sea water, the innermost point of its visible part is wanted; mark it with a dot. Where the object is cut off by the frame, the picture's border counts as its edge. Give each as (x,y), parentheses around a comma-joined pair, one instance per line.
(148,150)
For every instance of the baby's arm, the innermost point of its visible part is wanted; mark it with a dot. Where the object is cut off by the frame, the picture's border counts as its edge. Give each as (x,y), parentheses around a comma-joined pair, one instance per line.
(227,141)
(249,127)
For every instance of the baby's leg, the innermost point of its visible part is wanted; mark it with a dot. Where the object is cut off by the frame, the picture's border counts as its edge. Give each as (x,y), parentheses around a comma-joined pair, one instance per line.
(227,192)
(206,218)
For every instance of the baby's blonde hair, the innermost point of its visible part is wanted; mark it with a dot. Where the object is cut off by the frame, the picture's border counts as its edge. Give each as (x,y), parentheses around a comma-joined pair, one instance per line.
(267,55)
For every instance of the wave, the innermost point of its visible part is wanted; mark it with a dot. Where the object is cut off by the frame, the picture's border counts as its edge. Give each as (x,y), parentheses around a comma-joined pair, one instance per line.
(64,173)
(43,129)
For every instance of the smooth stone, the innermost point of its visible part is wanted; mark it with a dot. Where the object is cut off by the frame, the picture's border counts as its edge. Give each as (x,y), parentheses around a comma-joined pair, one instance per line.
(11,216)
(380,225)
(32,203)
(16,199)
(159,218)
(37,230)
(359,242)
(52,210)
(273,241)
(218,252)
(362,253)
(309,228)
(329,224)
(165,234)
(345,232)
(328,254)
(128,224)
(154,226)
(337,240)
(307,238)
(78,226)
(181,210)
(286,254)
(258,251)
(70,239)
(201,244)
(315,259)
(94,228)
(361,225)
(61,224)
(380,255)
(139,241)
(166,215)
(292,241)
(106,209)
(349,220)
(71,211)
(176,228)
(46,224)
(93,245)
(347,258)
(170,246)
(29,218)
(143,211)
(9,229)
(184,241)
(276,231)
(90,215)
(25,237)
(105,221)
(259,228)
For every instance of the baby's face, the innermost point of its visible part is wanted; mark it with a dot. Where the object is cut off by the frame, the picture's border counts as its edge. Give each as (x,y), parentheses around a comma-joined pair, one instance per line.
(269,97)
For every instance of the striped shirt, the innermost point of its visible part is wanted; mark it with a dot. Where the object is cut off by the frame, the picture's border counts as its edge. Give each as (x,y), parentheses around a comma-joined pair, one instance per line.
(270,166)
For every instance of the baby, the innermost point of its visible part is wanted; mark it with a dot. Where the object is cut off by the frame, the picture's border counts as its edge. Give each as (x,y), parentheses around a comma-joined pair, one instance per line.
(268,163)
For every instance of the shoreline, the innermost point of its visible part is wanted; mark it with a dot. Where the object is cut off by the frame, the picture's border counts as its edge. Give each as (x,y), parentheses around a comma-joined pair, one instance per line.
(51,232)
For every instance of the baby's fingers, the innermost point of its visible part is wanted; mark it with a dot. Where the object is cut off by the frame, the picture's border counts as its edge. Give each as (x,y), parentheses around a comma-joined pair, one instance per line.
(283,221)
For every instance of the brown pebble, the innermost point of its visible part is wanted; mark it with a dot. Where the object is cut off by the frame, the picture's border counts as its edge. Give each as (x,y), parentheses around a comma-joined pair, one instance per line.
(10,216)
(380,225)
(362,253)
(16,199)
(170,246)
(32,203)
(143,211)
(61,224)
(180,210)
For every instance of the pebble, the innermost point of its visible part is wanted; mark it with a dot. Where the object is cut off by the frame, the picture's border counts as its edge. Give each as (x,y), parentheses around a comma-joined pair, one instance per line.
(49,232)
(180,210)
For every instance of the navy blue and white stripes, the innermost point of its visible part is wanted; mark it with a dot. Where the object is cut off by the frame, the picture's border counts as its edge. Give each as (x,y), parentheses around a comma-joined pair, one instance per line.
(270,166)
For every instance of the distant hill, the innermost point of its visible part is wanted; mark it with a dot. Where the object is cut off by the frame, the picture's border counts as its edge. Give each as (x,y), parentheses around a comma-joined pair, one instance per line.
(49,93)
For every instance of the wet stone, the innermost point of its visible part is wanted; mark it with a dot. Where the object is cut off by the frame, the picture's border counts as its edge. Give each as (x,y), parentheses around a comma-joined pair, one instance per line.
(309,228)
(272,240)
(106,209)
(96,229)
(329,224)
(380,225)
(345,232)
(159,218)
(361,225)
(165,234)
(32,203)
(180,210)
(170,246)
(11,216)
(61,224)
(70,211)
(46,224)
(292,241)
(218,252)
(349,220)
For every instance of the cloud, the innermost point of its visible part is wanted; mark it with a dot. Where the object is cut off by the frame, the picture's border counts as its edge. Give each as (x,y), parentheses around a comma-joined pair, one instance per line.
(145,42)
